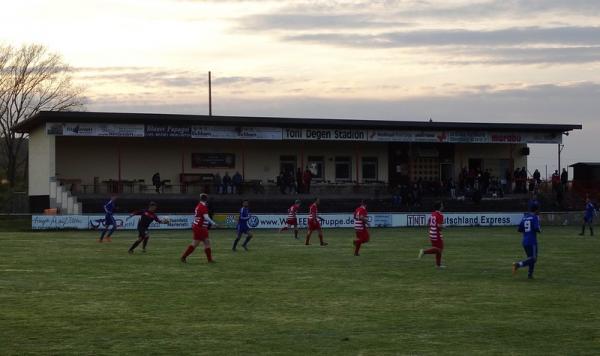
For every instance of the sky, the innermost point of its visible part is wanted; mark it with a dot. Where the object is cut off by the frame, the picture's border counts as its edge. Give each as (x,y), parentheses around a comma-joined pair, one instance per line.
(480,61)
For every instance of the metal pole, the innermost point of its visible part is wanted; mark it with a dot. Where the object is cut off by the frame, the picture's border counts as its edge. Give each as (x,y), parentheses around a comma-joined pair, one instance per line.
(119,166)
(559,157)
(357,163)
(209,94)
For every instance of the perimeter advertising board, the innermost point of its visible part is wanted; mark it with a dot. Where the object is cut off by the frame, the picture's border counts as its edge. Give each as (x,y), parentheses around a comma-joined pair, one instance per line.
(276,221)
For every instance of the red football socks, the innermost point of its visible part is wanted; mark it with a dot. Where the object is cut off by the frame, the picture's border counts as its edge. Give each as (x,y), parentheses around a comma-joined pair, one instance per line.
(356,246)
(438,254)
(188,251)
(208,253)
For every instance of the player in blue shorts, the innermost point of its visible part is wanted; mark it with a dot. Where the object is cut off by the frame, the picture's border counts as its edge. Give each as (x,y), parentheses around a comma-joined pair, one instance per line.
(109,220)
(530,227)
(588,217)
(242,227)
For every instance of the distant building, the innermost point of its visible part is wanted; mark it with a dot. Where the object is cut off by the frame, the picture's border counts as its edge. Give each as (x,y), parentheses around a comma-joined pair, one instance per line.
(586,176)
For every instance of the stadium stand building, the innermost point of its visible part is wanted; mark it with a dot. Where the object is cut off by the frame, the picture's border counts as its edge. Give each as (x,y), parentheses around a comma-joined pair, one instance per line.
(77,154)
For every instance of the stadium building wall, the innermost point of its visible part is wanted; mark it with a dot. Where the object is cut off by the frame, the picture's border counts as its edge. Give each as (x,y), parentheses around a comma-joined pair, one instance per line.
(42,159)
(89,157)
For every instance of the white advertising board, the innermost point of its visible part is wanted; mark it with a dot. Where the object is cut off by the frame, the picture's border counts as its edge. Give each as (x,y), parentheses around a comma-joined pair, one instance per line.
(276,221)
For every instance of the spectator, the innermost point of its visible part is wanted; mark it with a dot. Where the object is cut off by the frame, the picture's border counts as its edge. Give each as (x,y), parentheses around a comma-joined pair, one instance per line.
(397,197)
(523,178)
(555,181)
(485,178)
(299,183)
(508,181)
(517,180)
(290,182)
(306,179)
(226,183)
(564,179)
(218,183)
(156,182)
(237,181)
(537,176)
(281,182)
(452,189)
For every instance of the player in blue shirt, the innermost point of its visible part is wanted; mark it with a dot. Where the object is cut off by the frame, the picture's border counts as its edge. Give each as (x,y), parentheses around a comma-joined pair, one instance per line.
(588,217)
(530,227)
(109,220)
(242,226)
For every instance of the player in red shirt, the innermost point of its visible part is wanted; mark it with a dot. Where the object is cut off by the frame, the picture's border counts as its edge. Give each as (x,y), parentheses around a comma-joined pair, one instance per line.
(436,222)
(292,219)
(361,224)
(200,229)
(314,223)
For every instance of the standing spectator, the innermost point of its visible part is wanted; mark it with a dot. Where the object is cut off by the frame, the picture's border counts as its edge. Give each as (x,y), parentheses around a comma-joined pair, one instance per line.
(281,182)
(452,188)
(290,181)
(486,177)
(156,182)
(537,176)
(564,179)
(517,180)
(299,183)
(555,181)
(397,197)
(508,180)
(218,183)
(226,183)
(306,179)
(237,181)
(523,177)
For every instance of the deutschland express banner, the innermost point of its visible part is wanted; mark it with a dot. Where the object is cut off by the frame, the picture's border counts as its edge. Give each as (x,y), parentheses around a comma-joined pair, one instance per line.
(275,221)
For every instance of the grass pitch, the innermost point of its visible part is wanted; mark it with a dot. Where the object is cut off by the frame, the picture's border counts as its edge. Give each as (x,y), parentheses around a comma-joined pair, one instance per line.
(63,293)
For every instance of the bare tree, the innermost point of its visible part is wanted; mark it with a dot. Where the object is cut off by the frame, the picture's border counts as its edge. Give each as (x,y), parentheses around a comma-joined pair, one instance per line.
(31,79)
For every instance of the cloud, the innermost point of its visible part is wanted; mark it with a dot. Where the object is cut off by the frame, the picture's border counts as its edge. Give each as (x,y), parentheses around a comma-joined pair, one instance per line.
(302,21)
(162,78)
(568,35)
(523,56)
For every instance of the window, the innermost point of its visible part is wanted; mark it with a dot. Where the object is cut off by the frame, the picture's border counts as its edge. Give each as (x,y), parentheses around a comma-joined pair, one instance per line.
(287,164)
(343,169)
(369,169)
(316,164)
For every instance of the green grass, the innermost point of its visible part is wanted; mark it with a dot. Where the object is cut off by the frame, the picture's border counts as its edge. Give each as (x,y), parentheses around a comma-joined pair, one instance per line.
(12,223)
(63,293)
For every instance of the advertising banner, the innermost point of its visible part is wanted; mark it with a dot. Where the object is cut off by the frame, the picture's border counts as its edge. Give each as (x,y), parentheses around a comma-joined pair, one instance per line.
(462,137)
(459,219)
(276,221)
(168,131)
(236,133)
(95,130)
(310,134)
